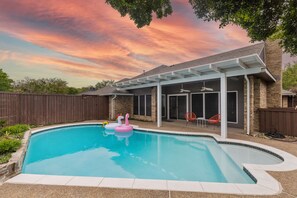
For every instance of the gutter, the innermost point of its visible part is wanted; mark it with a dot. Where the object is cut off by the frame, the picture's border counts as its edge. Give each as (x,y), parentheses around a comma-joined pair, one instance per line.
(112,106)
(248,111)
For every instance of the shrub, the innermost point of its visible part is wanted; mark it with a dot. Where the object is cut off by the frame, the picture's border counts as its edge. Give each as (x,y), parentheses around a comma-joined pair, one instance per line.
(4,158)
(14,130)
(2,123)
(9,145)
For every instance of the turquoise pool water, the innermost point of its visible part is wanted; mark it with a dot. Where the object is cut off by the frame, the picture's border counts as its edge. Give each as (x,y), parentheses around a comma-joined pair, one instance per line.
(89,150)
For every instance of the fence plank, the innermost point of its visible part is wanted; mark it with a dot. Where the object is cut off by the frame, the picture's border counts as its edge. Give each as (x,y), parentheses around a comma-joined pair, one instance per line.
(283,120)
(51,109)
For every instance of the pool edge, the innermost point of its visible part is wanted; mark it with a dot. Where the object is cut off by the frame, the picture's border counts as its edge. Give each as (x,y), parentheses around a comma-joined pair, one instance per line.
(266,184)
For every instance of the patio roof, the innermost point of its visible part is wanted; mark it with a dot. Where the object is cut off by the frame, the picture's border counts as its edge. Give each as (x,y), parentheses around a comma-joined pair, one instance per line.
(244,65)
(107,91)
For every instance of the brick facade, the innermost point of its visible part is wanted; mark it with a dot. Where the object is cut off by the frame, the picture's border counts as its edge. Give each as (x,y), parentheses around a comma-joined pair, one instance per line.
(153,116)
(121,104)
(264,94)
(273,61)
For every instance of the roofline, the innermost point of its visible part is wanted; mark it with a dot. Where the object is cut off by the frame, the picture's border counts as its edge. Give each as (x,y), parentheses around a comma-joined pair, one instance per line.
(154,77)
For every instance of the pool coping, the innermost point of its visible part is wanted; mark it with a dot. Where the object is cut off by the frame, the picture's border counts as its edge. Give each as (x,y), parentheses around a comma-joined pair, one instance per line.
(266,184)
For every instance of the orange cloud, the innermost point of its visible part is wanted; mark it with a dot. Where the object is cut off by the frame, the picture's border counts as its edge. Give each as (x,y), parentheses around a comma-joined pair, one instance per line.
(95,33)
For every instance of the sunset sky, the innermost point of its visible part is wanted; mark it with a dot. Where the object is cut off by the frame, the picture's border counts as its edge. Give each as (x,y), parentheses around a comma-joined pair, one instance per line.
(84,42)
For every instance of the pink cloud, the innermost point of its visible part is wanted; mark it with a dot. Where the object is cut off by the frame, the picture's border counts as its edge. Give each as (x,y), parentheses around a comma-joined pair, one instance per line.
(112,45)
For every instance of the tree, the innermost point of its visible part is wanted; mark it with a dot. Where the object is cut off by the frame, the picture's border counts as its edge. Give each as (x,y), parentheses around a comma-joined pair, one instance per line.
(5,81)
(104,83)
(261,19)
(43,85)
(141,12)
(290,77)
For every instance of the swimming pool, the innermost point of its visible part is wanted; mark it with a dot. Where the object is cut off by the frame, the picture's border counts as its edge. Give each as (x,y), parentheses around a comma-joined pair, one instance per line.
(89,150)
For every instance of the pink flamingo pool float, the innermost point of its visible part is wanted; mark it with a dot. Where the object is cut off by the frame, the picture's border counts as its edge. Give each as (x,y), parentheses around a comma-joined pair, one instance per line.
(124,127)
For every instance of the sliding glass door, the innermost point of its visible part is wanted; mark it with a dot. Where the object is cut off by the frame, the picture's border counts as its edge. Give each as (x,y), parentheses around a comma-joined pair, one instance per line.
(211,104)
(177,106)
(206,105)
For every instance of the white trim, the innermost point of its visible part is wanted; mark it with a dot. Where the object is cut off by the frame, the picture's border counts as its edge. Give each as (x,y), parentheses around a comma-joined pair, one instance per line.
(212,76)
(168,109)
(215,67)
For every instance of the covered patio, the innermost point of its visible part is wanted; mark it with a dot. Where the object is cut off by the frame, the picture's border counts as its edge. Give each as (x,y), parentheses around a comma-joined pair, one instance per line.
(200,72)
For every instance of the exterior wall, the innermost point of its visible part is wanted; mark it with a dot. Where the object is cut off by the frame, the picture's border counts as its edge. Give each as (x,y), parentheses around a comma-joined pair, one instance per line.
(273,61)
(122,105)
(285,101)
(260,101)
(264,94)
(153,92)
(233,84)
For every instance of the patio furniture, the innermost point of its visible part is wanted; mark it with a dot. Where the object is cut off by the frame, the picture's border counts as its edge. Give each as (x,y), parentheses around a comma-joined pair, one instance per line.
(201,122)
(190,117)
(214,120)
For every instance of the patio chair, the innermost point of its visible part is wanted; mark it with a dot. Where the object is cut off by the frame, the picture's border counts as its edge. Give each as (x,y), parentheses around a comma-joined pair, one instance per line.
(214,120)
(190,117)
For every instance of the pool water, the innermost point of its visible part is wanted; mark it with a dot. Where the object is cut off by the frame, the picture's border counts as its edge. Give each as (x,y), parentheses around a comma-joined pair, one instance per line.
(89,150)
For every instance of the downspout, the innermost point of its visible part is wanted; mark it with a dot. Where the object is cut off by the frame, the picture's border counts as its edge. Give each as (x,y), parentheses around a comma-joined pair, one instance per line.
(248,111)
(112,106)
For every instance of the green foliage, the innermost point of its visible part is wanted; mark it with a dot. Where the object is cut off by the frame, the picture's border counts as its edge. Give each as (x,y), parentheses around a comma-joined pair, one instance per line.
(141,12)
(104,83)
(5,158)
(73,90)
(9,145)
(290,77)
(261,19)
(17,129)
(42,86)
(2,123)
(5,81)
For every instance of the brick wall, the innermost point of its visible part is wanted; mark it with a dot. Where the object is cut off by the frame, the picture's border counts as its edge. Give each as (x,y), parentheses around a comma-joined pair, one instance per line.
(285,101)
(264,94)
(260,100)
(121,104)
(273,61)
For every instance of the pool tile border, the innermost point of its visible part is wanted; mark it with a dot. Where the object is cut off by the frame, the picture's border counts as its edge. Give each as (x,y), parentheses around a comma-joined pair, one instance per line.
(266,184)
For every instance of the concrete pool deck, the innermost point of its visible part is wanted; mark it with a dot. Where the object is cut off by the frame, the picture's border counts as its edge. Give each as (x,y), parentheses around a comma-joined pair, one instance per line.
(287,179)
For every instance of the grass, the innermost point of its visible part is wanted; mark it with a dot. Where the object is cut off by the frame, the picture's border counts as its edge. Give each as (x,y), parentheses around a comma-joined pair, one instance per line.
(10,140)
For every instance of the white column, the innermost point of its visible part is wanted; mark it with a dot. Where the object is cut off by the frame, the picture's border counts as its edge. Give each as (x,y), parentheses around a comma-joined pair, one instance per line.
(224,106)
(159,105)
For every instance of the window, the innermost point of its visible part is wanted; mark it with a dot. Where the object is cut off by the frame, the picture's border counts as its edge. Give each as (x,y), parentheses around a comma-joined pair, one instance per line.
(148,104)
(211,104)
(197,105)
(163,105)
(142,105)
(135,105)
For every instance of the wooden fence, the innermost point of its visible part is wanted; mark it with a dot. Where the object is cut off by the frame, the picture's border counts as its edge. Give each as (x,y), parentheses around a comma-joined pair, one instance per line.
(282,120)
(51,109)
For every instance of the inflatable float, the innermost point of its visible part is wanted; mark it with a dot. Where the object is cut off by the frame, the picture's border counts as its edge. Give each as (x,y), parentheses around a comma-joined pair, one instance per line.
(112,126)
(124,128)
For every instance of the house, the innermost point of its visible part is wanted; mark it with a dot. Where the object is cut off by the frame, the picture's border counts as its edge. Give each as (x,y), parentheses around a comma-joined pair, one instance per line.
(288,98)
(233,84)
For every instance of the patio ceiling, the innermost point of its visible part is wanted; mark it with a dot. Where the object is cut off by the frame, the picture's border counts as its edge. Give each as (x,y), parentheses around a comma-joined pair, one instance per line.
(245,65)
